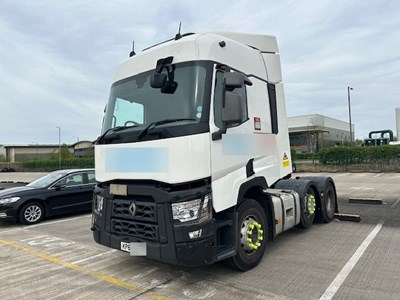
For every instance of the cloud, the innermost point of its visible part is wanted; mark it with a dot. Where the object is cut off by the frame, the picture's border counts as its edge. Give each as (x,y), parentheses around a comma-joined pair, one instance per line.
(58,58)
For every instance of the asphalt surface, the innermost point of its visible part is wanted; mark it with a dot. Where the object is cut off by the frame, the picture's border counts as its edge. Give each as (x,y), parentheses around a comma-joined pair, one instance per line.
(58,259)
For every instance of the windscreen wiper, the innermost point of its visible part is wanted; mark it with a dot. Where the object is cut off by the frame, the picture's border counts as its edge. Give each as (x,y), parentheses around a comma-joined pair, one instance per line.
(109,132)
(154,124)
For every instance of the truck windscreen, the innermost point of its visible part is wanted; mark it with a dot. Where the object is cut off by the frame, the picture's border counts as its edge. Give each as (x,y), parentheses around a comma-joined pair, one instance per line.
(134,105)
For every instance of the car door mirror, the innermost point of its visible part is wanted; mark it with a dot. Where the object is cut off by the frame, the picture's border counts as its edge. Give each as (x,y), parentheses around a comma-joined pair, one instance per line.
(58,186)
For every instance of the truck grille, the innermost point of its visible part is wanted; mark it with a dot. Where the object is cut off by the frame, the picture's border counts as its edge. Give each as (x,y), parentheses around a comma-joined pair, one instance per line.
(139,223)
(135,229)
(144,211)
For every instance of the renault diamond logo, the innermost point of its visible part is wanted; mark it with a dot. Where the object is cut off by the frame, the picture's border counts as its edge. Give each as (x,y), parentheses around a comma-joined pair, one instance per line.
(132,209)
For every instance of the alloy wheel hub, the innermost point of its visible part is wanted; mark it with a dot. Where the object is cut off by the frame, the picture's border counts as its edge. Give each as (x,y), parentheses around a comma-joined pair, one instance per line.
(251,235)
(311,205)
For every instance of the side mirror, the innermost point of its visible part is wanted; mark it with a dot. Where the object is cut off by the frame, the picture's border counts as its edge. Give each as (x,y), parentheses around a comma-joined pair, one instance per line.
(232,112)
(158,80)
(236,80)
(58,186)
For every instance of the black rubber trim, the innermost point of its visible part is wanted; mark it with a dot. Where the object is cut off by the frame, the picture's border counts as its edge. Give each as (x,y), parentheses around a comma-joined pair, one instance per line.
(250,168)
(256,181)
(273,107)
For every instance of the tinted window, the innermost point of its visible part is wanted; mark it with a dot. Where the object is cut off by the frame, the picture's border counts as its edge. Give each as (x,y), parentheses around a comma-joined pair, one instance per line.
(91,178)
(73,179)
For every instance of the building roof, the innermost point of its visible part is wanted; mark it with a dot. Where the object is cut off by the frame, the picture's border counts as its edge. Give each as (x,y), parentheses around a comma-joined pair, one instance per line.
(316,121)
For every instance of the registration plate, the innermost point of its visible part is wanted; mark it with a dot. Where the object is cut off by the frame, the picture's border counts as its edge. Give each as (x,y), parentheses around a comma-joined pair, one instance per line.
(126,247)
(134,249)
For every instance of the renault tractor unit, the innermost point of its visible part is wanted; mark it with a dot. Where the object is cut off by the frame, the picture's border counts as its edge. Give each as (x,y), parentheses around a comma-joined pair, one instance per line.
(193,163)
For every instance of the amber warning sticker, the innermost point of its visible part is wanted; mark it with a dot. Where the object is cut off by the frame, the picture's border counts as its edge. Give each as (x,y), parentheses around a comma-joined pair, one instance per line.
(257,123)
(285,161)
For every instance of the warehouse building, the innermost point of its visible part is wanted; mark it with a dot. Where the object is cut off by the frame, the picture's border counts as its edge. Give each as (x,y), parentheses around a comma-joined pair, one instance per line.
(20,153)
(311,133)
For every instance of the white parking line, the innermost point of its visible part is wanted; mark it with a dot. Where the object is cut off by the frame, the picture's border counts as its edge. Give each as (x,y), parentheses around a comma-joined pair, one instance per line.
(54,222)
(377,175)
(395,203)
(34,238)
(341,277)
(94,256)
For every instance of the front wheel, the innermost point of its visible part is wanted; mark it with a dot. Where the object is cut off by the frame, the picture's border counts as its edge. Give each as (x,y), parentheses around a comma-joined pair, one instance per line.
(31,213)
(252,232)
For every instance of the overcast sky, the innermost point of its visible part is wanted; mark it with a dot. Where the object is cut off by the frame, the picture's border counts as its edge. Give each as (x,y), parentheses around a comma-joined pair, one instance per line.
(58,58)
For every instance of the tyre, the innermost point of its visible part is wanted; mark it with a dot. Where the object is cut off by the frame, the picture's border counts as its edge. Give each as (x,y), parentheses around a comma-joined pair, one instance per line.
(329,203)
(308,195)
(252,236)
(327,206)
(31,213)
(308,204)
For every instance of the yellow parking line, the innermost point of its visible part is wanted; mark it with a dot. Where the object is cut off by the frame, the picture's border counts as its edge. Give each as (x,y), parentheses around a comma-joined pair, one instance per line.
(101,276)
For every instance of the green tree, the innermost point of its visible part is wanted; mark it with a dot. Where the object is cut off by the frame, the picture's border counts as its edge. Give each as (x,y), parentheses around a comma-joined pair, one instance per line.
(65,154)
(358,142)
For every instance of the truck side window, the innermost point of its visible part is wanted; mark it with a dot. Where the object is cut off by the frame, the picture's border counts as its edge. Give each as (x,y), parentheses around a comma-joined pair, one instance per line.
(218,96)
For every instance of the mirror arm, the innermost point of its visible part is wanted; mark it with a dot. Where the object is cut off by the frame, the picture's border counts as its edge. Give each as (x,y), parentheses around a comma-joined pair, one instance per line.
(217,135)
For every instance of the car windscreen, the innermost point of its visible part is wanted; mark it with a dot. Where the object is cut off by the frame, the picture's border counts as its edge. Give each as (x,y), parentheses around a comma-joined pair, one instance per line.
(46,180)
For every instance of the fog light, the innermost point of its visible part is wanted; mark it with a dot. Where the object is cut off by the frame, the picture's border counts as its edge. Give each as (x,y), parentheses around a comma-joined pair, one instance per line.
(195,234)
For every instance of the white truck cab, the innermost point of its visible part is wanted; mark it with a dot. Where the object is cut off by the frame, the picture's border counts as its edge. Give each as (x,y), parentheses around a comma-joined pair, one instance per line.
(193,162)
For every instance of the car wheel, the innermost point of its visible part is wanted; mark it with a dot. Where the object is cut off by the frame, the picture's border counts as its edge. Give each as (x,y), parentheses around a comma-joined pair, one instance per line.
(31,213)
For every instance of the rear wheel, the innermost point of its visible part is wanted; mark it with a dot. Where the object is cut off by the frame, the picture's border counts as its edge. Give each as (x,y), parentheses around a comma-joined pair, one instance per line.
(308,206)
(252,234)
(31,213)
(329,203)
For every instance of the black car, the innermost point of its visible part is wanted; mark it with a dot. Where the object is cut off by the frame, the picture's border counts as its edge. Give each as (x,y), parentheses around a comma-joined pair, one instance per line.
(59,192)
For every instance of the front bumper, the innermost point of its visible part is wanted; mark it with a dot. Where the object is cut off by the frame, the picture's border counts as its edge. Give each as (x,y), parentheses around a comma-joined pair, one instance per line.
(8,213)
(153,224)
(190,253)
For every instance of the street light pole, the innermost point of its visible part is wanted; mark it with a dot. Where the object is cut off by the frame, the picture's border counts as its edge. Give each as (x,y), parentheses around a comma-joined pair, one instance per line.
(348,99)
(59,147)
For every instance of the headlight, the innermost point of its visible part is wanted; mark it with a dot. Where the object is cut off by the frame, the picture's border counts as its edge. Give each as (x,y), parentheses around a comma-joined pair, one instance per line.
(9,200)
(197,211)
(98,203)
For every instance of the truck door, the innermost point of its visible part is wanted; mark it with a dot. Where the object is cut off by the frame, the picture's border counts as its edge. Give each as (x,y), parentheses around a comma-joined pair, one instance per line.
(247,148)
(231,152)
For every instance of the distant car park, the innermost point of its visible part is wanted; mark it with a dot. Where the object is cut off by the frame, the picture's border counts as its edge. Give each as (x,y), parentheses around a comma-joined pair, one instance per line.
(59,192)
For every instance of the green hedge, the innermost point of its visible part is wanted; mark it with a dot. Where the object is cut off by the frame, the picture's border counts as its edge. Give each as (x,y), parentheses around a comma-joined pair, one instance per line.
(303,155)
(51,165)
(359,155)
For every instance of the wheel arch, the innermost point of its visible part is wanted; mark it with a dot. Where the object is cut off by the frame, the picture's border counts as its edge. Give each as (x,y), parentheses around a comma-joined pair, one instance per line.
(33,200)
(299,184)
(254,189)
